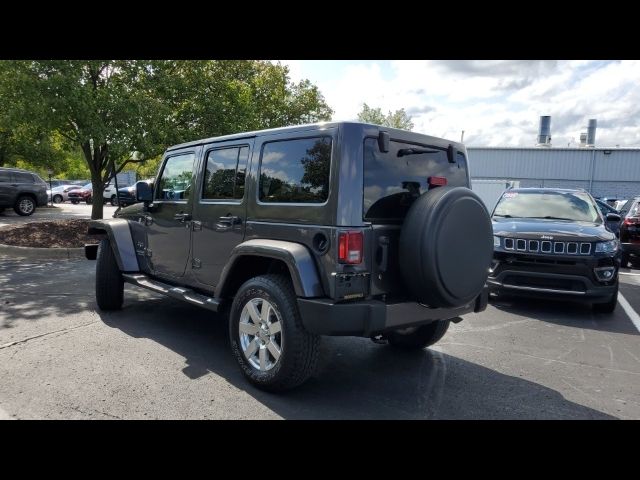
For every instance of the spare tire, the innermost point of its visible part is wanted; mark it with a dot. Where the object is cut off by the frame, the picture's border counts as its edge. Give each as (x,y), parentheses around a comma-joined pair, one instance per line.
(446,247)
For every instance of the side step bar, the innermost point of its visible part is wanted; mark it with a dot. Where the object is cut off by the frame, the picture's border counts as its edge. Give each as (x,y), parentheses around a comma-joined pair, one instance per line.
(180,293)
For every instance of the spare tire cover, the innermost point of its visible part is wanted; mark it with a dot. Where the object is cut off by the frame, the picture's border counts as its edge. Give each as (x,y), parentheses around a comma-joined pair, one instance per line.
(446,247)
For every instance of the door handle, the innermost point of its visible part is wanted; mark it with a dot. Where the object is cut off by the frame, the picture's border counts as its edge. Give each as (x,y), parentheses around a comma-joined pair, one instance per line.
(228,222)
(182,217)
(231,220)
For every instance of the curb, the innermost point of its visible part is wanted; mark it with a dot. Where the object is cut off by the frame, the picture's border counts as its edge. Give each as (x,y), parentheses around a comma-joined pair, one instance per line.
(42,253)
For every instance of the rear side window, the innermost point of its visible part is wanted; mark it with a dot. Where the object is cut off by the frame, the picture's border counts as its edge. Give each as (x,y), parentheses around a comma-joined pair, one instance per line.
(5,177)
(175,181)
(225,172)
(20,177)
(295,171)
(392,182)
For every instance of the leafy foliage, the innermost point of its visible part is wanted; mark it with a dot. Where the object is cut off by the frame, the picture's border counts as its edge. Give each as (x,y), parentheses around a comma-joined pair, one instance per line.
(397,119)
(119,112)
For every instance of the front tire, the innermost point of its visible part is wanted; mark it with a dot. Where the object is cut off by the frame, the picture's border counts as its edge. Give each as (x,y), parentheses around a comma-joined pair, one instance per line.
(607,307)
(268,340)
(624,260)
(25,206)
(113,201)
(89,200)
(75,202)
(419,338)
(109,282)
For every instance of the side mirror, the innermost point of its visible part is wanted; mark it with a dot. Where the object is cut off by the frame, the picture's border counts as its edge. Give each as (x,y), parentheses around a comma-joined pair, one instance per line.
(613,217)
(144,192)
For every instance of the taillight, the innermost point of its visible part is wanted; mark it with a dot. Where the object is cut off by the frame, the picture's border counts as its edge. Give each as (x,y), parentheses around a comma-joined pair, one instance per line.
(631,221)
(437,181)
(350,247)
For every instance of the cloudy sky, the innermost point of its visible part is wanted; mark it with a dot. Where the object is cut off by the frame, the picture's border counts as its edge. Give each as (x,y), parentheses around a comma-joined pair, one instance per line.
(496,103)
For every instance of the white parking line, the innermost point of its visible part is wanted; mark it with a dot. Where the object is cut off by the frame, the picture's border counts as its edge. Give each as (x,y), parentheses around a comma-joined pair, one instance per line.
(631,313)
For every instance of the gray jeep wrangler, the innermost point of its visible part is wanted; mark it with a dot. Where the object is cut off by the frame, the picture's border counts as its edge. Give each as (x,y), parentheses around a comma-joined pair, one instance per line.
(326,229)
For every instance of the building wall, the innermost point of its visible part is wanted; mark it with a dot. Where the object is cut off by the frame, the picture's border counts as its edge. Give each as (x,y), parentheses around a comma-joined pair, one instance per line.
(609,173)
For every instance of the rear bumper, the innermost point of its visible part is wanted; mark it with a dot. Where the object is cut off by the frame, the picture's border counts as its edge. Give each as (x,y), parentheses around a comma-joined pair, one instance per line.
(371,317)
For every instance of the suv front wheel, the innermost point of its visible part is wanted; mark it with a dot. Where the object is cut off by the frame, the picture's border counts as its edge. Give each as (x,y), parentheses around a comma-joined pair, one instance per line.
(109,282)
(25,206)
(609,306)
(267,337)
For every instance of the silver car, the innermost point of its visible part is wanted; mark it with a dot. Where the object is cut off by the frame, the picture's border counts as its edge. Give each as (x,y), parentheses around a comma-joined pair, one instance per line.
(61,193)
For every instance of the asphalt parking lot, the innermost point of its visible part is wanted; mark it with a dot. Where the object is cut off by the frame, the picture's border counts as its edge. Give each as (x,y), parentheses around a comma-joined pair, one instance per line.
(158,358)
(60,211)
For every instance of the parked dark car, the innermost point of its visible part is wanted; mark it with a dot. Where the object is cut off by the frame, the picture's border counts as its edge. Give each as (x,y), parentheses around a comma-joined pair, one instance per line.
(336,228)
(127,195)
(605,209)
(554,243)
(630,230)
(21,190)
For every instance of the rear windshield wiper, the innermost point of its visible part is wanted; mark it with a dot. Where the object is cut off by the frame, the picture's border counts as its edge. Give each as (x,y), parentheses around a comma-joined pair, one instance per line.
(549,217)
(414,151)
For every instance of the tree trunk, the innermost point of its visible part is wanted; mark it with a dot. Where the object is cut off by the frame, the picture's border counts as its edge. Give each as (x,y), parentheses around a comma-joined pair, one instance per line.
(97,197)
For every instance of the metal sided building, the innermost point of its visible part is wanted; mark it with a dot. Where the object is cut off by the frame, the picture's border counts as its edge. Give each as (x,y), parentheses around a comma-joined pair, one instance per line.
(613,172)
(605,172)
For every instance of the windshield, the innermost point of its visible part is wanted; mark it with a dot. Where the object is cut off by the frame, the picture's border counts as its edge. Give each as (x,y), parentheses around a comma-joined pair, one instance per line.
(88,186)
(573,206)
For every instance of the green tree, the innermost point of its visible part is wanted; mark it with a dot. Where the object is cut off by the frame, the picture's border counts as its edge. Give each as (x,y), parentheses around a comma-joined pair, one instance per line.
(126,111)
(316,166)
(397,119)
(106,109)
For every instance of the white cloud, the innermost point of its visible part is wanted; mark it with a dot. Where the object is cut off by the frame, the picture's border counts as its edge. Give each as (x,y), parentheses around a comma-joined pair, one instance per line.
(494,102)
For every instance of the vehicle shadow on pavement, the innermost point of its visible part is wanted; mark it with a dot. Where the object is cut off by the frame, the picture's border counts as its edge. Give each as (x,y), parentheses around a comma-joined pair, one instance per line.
(565,313)
(32,289)
(356,378)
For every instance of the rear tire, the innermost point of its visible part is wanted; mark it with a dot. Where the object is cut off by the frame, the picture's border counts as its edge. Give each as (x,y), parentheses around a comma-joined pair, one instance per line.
(271,361)
(109,282)
(58,199)
(422,337)
(25,206)
(113,201)
(607,307)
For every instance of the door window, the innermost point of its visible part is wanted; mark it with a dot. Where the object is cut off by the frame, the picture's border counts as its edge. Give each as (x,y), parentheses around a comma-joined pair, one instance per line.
(20,177)
(224,174)
(175,180)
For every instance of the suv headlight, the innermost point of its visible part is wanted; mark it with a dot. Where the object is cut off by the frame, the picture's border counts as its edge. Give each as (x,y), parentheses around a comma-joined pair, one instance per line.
(607,247)
(496,241)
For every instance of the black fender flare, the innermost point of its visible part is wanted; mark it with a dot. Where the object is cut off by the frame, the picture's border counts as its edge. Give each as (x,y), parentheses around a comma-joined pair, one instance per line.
(302,268)
(119,234)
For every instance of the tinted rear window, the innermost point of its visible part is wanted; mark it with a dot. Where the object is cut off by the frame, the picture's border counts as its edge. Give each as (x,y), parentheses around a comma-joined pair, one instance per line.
(392,183)
(20,177)
(295,171)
